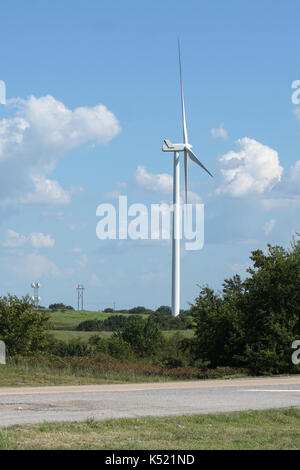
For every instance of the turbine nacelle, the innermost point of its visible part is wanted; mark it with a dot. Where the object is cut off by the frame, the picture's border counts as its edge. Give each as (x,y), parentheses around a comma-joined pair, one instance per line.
(187,149)
(169,147)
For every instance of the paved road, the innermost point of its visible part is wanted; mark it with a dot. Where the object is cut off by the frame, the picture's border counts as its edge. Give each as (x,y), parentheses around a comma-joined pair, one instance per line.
(74,403)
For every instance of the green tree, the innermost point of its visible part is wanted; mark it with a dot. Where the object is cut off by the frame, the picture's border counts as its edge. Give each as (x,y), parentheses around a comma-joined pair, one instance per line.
(253,322)
(143,336)
(270,309)
(114,346)
(139,310)
(23,329)
(164,309)
(90,325)
(217,336)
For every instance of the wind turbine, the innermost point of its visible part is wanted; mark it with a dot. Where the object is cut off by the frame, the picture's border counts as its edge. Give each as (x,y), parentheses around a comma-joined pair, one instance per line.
(186,148)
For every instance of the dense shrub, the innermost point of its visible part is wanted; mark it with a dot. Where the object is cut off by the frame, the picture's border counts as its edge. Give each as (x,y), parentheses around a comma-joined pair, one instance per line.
(22,328)
(119,322)
(139,310)
(254,322)
(112,323)
(166,321)
(74,347)
(143,336)
(90,325)
(164,309)
(115,346)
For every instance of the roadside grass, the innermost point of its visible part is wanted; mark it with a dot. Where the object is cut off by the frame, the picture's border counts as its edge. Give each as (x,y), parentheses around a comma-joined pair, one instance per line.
(249,430)
(99,368)
(25,375)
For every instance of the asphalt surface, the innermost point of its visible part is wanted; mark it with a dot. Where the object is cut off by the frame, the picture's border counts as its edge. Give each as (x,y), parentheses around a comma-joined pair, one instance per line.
(77,403)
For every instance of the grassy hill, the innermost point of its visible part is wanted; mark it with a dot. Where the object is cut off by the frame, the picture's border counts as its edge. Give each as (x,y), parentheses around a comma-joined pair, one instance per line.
(64,324)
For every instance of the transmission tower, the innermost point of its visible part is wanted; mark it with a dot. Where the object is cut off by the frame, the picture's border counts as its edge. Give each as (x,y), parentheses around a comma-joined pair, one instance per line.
(35,298)
(80,290)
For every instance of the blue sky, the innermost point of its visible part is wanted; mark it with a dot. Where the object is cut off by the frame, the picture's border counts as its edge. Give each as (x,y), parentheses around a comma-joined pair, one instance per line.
(58,163)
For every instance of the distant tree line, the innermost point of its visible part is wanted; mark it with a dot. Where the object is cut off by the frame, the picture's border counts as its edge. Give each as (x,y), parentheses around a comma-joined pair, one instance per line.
(165,321)
(164,309)
(60,306)
(116,322)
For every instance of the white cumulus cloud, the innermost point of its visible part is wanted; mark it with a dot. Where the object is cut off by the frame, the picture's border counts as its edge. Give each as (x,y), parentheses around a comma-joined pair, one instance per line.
(253,169)
(34,239)
(219,132)
(32,141)
(160,183)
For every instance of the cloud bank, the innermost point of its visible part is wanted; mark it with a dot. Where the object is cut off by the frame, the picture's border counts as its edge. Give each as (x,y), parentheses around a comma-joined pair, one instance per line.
(32,141)
(34,239)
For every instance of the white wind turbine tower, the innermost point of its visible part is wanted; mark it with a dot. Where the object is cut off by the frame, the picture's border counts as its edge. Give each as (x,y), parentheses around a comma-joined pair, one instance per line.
(186,148)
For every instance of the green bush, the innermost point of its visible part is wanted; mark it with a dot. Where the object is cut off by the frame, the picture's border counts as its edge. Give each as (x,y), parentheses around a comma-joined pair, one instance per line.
(115,347)
(164,309)
(143,336)
(74,347)
(254,322)
(22,328)
(112,323)
(139,310)
(90,325)
(166,321)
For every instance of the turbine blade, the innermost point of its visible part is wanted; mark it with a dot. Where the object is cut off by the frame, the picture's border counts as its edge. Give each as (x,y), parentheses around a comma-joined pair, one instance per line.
(185,137)
(195,159)
(185,173)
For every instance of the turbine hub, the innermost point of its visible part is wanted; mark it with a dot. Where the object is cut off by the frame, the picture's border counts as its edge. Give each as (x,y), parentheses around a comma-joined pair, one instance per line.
(189,146)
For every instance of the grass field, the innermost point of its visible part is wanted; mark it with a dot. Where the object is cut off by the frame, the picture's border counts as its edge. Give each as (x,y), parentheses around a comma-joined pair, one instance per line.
(70,319)
(64,324)
(250,430)
(67,335)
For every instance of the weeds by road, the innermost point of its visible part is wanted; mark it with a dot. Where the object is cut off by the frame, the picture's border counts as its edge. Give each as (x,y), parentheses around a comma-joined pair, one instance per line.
(98,369)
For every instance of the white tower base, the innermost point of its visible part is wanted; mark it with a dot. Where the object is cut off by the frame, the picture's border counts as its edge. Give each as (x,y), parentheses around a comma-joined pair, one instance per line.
(176,238)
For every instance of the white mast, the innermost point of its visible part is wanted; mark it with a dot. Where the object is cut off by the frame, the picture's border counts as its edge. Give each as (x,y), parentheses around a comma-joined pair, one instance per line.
(176,237)
(188,153)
